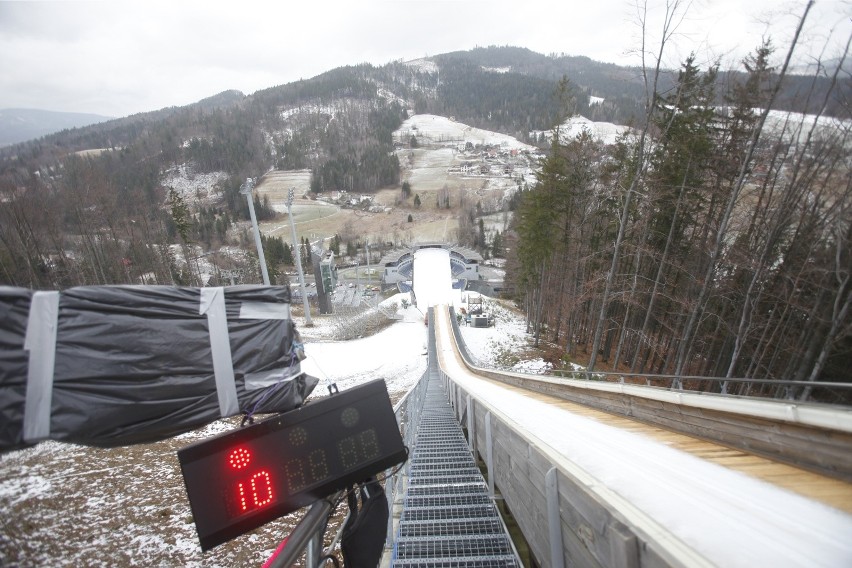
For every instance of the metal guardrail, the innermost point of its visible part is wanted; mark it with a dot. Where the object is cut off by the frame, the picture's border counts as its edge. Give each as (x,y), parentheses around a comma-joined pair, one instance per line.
(786,388)
(676,382)
(552,499)
(305,539)
(448,516)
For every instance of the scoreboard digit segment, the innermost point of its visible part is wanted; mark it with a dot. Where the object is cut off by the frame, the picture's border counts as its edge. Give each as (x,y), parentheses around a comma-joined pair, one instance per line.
(242,479)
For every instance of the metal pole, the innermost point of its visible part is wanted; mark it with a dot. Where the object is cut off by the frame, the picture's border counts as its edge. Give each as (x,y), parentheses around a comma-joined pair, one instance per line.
(310,525)
(298,256)
(245,189)
(369,279)
(554,519)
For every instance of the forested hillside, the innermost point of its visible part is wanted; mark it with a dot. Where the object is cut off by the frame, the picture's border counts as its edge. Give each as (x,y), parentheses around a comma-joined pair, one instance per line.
(715,241)
(712,241)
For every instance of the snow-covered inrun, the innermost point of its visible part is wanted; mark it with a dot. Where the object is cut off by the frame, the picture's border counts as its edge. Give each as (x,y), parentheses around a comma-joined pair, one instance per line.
(432,278)
(731,519)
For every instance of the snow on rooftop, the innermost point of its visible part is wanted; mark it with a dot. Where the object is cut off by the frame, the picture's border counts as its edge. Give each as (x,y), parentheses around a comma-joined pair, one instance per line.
(595,100)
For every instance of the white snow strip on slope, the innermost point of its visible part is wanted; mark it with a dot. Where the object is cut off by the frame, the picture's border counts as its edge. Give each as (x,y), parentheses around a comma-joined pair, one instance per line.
(730,518)
(395,354)
(432,278)
(436,129)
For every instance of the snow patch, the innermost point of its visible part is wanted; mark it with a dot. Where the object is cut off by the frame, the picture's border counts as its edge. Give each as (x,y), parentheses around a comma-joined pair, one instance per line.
(423,65)
(194,188)
(439,129)
(604,132)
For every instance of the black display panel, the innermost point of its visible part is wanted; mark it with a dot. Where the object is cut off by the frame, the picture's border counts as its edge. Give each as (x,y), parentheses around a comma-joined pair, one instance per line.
(240,480)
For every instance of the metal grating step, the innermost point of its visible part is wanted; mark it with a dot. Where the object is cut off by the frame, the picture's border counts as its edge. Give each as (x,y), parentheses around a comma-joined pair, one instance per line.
(440,435)
(456,546)
(445,489)
(438,453)
(448,479)
(448,518)
(462,526)
(437,469)
(447,500)
(412,514)
(431,457)
(437,435)
(493,562)
(440,438)
(442,444)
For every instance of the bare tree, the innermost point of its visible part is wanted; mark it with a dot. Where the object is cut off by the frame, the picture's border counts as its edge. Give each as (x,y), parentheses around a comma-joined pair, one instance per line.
(684,345)
(671,20)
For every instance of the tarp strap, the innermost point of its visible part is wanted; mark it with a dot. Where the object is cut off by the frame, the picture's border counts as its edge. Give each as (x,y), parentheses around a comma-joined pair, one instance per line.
(264,311)
(40,341)
(213,305)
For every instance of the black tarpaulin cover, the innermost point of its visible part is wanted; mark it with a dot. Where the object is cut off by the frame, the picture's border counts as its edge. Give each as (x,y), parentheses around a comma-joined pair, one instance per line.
(117,365)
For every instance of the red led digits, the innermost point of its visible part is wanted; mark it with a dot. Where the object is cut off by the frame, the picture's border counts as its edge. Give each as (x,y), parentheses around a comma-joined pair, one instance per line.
(261,491)
(257,490)
(242,492)
(263,495)
(239,458)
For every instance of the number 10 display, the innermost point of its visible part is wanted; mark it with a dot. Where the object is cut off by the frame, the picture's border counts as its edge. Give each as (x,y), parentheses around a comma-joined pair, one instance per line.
(245,478)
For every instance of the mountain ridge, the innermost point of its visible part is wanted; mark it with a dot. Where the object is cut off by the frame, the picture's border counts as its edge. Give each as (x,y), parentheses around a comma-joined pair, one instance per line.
(22,124)
(506,80)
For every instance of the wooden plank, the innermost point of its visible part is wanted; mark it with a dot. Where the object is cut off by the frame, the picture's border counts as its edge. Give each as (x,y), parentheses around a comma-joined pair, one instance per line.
(831,491)
(829,454)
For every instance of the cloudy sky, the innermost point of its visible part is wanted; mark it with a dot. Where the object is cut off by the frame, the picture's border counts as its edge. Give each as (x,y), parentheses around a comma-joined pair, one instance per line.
(119,57)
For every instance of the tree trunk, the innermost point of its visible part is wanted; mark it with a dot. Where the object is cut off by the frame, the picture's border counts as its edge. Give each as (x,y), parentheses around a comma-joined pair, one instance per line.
(691,324)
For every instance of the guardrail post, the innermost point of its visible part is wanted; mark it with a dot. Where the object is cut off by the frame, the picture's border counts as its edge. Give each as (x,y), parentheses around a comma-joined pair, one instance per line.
(489,455)
(312,553)
(554,519)
(623,547)
(471,426)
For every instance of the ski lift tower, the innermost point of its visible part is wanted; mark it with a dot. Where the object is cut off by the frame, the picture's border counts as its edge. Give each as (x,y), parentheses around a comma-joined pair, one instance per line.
(290,195)
(245,189)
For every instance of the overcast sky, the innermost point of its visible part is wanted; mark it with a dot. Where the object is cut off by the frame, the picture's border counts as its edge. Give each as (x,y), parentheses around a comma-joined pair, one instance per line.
(118,58)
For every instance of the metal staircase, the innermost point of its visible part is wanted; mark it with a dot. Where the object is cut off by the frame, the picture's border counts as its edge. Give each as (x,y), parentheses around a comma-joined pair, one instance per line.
(448,518)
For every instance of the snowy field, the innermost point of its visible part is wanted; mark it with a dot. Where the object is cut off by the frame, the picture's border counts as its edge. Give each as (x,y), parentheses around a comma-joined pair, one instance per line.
(68,505)
(605,132)
(434,129)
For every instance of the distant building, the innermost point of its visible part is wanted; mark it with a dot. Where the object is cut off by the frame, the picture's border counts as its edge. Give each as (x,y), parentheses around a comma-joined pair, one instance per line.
(328,272)
(398,265)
